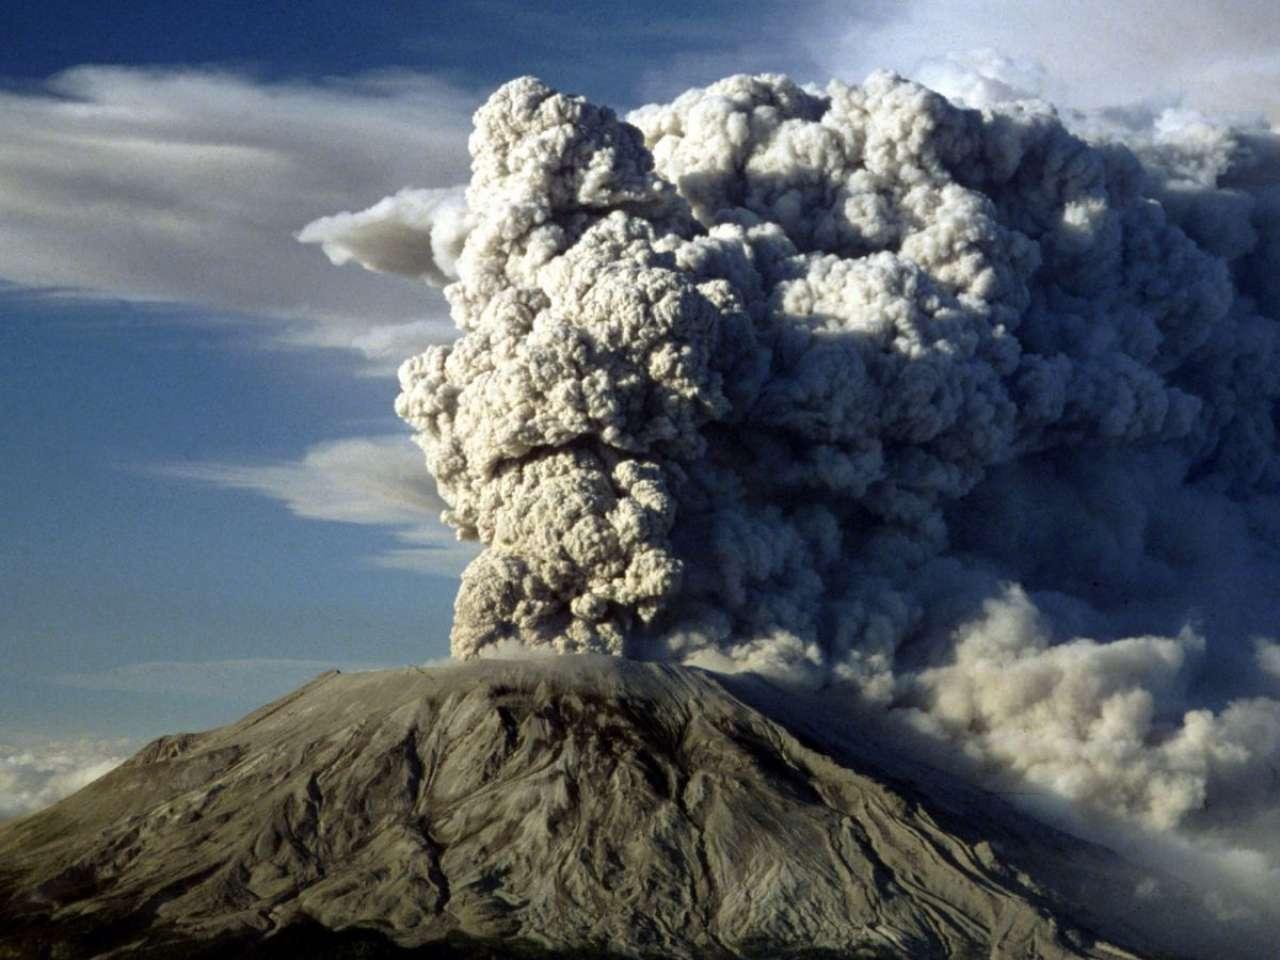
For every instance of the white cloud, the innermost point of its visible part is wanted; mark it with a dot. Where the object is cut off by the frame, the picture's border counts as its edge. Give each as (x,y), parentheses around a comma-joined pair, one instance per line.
(35,771)
(445,560)
(1217,57)
(378,481)
(188,186)
(1268,656)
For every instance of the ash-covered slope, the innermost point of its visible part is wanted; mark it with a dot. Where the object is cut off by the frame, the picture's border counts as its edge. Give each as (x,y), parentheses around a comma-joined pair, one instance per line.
(580,806)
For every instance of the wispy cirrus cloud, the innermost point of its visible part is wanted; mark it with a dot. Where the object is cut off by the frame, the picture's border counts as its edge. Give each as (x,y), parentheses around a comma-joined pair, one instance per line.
(187,186)
(377,481)
(252,678)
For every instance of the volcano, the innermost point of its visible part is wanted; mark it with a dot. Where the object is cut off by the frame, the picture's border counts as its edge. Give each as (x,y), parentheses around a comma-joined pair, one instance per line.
(573,806)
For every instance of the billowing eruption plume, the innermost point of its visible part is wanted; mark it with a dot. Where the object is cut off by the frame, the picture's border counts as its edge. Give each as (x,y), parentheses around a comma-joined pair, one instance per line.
(951,407)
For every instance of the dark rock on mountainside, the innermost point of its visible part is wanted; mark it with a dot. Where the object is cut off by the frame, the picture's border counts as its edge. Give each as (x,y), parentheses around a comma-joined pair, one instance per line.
(575,807)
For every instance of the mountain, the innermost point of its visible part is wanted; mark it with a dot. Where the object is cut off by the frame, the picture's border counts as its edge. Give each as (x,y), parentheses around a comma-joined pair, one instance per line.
(575,806)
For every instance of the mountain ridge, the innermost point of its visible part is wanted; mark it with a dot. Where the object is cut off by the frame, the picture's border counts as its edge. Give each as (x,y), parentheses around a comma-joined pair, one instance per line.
(585,806)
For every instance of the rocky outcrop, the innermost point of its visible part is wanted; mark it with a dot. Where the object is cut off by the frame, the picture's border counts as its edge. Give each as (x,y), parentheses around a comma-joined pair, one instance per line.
(579,806)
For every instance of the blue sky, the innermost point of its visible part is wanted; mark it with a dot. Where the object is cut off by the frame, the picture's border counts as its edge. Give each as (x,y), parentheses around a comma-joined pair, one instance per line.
(206,495)
(603,49)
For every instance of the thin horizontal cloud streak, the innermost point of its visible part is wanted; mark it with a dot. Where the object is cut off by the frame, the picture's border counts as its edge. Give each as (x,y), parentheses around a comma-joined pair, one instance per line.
(254,678)
(187,186)
(375,481)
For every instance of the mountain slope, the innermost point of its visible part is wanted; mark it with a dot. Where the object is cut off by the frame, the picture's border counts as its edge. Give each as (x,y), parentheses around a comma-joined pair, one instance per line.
(589,804)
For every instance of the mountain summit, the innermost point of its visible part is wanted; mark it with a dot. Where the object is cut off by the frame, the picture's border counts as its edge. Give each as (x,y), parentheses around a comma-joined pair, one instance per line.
(575,806)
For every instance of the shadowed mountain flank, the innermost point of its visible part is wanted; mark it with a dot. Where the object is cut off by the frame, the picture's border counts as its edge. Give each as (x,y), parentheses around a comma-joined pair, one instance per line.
(581,806)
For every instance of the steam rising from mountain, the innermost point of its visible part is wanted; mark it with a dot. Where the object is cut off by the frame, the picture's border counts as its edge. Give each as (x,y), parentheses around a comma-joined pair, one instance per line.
(964,413)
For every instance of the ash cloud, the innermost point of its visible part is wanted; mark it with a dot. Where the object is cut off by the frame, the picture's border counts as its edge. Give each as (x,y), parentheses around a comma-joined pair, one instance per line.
(970,413)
